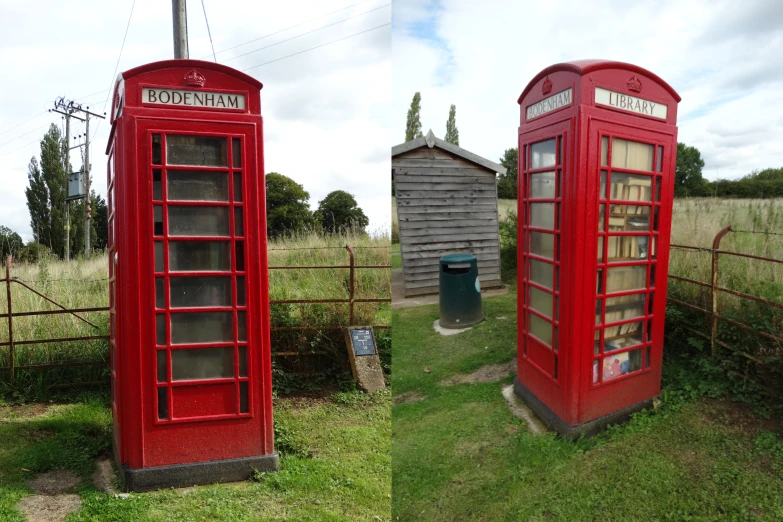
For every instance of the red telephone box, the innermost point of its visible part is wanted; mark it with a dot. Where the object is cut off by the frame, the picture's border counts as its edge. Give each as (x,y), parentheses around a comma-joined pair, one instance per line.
(597,147)
(190,357)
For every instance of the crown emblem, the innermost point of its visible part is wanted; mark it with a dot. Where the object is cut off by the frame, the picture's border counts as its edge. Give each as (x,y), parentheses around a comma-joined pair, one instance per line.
(546,87)
(634,84)
(195,79)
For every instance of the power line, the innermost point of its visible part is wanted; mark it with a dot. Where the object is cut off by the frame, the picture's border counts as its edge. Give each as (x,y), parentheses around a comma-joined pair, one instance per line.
(208,31)
(25,134)
(304,34)
(130,17)
(20,148)
(318,46)
(291,27)
(20,124)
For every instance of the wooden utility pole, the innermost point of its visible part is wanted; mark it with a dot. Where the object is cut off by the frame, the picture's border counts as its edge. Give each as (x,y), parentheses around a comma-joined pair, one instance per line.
(87,185)
(179,16)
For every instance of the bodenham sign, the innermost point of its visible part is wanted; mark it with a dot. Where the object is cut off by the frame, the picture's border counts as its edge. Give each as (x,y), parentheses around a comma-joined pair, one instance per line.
(210,100)
(630,103)
(556,101)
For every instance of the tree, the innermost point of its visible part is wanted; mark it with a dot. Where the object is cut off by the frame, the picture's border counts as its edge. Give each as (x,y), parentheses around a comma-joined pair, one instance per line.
(688,181)
(507,183)
(452,133)
(99,222)
(413,124)
(55,177)
(10,242)
(339,211)
(38,203)
(287,208)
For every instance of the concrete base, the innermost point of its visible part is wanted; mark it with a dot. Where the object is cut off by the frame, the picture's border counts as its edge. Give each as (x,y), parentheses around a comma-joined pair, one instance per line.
(448,331)
(196,474)
(586,429)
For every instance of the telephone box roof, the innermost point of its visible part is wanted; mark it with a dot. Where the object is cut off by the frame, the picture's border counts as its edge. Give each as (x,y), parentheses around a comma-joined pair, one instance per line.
(147,67)
(583,67)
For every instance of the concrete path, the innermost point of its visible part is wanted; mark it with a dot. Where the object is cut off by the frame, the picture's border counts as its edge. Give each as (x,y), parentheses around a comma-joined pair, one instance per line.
(400,301)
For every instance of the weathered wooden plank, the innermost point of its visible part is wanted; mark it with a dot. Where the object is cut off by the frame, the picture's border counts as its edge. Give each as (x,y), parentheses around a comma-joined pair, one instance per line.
(426,153)
(433,189)
(425,231)
(418,273)
(476,172)
(401,162)
(449,244)
(414,219)
(452,177)
(425,260)
(446,238)
(423,283)
(466,201)
(437,206)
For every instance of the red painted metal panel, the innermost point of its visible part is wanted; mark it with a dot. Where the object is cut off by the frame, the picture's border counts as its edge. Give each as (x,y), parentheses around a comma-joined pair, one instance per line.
(192,416)
(581,122)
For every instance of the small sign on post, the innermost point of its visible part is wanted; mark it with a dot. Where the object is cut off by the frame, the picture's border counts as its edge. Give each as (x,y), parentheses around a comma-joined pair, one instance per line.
(365,364)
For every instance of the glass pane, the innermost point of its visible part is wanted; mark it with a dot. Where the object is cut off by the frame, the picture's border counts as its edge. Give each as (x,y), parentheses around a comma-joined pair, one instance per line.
(202,327)
(200,291)
(540,329)
(541,273)
(629,218)
(196,150)
(158,256)
(601,216)
(648,331)
(237,187)
(163,403)
(602,188)
(161,366)
(243,361)
(542,185)
(598,311)
(236,152)
(198,221)
(658,181)
(652,275)
(627,248)
(542,215)
(160,296)
(655,219)
(599,282)
(543,154)
(155,150)
(240,253)
(240,291)
(196,256)
(190,185)
(595,372)
(158,221)
(631,187)
(625,278)
(600,249)
(621,364)
(239,229)
(202,363)
(160,329)
(631,155)
(542,244)
(243,398)
(157,185)
(241,329)
(597,342)
(660,159)
(653,245)
(624,307)
(647,361)
(604,150)
(541,301)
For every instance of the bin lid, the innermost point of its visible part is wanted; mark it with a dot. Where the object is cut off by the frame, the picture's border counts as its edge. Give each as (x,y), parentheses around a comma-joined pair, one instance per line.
(457,258)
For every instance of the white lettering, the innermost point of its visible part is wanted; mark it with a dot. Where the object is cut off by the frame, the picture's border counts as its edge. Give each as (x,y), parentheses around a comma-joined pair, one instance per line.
(630,103)
(211,100)
(556,101)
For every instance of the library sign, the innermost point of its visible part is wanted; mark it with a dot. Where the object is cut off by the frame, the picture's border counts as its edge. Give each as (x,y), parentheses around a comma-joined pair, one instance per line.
(209,100)
(630,103)
(556,101)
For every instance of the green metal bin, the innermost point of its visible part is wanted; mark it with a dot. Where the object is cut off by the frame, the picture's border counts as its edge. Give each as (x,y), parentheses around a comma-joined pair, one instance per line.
(460,291)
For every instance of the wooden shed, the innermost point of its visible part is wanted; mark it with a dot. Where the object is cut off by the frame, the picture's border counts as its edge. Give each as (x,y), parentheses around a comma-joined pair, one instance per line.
(447,202)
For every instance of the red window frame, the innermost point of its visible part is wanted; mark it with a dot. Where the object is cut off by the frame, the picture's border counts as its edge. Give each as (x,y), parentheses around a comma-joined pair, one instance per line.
(242,389)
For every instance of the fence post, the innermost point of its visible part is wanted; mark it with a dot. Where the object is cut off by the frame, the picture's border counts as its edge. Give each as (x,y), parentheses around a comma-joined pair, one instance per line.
(714,288)
(351,288)
(11,355)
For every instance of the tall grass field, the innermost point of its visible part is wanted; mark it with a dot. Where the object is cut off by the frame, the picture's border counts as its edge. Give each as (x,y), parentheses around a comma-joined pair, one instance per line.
(83,283)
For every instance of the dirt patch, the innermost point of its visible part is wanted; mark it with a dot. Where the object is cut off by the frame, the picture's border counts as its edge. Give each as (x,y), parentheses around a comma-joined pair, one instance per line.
(55,482)
(407,398)
(24,411)
(103,477)
(45,508)
(488,373)
(739,416)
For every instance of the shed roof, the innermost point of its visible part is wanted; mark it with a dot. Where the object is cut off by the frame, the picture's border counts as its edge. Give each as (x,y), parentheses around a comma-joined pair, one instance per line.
(431,141)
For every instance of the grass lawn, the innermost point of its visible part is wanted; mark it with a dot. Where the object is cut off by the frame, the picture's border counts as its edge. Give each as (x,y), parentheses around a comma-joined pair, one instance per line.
(396,260)
(459,454)
(335,464)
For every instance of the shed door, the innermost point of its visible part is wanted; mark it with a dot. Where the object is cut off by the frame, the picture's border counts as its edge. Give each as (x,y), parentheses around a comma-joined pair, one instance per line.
(200,280)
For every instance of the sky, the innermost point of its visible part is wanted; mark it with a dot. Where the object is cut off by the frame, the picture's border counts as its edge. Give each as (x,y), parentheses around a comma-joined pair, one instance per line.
(326,99)
(722,57)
